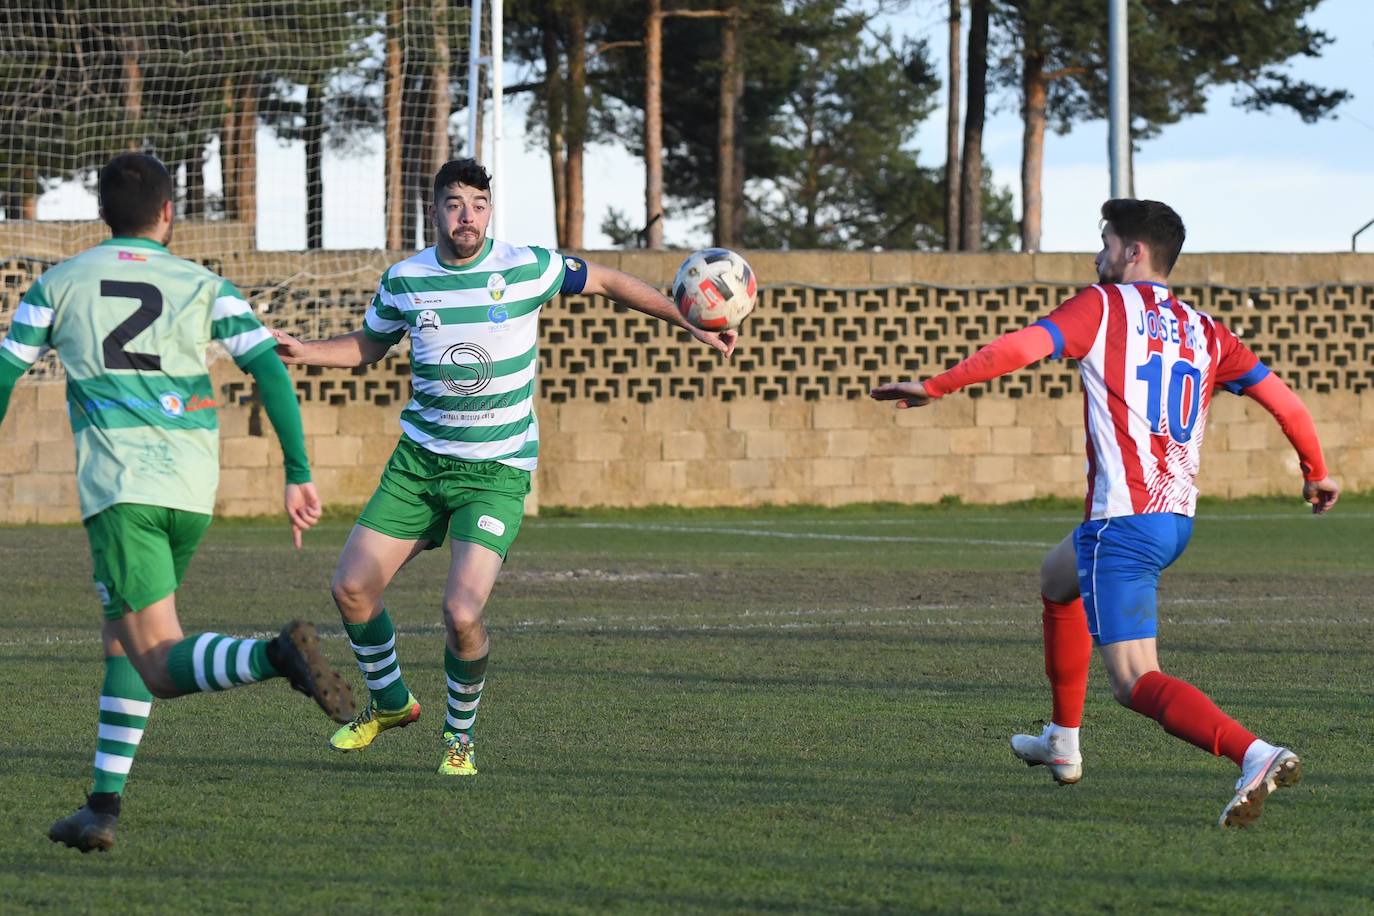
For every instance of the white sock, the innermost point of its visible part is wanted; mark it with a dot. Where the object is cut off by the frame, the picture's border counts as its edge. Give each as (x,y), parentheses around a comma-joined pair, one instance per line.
(1061,735)
(1256,752)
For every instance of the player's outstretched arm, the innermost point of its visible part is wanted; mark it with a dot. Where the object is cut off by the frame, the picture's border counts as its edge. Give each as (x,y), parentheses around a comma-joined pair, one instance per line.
(9,374)
(345,351)
(1318,489)
(634,293)
(1010,352)
(279,400)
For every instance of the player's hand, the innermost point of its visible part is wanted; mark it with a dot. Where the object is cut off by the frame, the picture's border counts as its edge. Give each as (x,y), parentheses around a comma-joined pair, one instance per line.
(1322,494)
(906,394)
(290,349)
(302,508)
(724,341)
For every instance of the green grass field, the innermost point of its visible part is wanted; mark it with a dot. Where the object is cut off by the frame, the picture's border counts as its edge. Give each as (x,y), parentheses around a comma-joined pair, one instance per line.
(727,711)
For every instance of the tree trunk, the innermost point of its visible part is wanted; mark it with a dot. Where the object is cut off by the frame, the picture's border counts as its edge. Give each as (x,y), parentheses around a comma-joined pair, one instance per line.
(554,101)
(725,131)
(195,183)
(228,152)
(432,143)
(314,174)
(131,48)
(439,74)
(575,214)
(739,208)
(28,195)
(391,104)
(952,172)
(1034,88)
(653,125)
(246,153)
(971,178)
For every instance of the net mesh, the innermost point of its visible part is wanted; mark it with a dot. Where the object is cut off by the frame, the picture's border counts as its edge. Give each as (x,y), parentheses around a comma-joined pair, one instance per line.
(301,134)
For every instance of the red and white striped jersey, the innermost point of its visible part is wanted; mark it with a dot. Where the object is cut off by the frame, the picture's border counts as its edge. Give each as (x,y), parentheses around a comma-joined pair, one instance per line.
(1149,365)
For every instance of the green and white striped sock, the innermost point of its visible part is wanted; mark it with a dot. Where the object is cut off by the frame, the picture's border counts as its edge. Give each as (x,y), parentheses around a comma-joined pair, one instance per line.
(466,678)
(125,705)
(374,645)
(208,661)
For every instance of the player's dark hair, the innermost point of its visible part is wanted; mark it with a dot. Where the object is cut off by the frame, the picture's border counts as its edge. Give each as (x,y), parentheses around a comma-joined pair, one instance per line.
(133,188)
(461,171)
(1149,223)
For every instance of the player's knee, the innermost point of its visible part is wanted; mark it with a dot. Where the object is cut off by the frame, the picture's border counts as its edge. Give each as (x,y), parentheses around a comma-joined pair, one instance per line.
(1122,691)
(465,621)
(1056,583)
(156,678)
(350,592)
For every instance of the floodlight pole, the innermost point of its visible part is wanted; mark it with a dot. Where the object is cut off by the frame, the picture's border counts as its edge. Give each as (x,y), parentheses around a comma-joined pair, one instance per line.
(498,91)
(1119,108)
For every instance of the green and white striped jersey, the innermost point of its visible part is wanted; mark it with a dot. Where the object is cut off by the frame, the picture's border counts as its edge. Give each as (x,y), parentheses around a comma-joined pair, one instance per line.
(131,322)
(474,334)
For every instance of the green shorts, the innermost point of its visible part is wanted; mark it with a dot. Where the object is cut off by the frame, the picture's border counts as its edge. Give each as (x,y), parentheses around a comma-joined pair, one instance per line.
(140,553)
(423,496)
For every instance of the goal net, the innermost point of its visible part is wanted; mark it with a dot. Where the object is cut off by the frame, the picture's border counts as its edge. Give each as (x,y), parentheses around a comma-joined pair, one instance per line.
(301,134)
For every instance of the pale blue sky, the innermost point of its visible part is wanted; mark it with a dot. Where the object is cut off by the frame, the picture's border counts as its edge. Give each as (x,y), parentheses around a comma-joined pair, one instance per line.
(1242,181)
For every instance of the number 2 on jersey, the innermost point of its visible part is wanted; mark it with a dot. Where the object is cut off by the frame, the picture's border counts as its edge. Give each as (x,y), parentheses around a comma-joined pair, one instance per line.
(1184,400)
(149,308)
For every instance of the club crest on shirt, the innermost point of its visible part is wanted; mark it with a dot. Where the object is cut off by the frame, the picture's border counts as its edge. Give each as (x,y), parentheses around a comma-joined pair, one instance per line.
(172,404)
(496,285)
(428,320)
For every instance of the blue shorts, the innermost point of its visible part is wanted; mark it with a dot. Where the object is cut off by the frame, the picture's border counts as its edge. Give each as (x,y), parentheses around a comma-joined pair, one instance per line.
(1119,562)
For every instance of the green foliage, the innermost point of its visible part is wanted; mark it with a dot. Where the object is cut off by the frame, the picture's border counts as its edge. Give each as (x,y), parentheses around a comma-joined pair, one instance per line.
(1179,52)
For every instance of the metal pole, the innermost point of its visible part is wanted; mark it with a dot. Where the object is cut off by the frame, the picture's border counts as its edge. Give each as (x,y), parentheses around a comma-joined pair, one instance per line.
(497,93)
(1357,234)
(1119,112)
(474,79)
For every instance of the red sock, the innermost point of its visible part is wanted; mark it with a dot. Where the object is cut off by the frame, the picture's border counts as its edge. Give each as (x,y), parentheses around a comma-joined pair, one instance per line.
(1068,651)
(1186,712)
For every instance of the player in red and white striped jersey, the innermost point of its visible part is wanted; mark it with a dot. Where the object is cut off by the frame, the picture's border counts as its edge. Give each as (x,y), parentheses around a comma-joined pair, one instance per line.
(1149,365)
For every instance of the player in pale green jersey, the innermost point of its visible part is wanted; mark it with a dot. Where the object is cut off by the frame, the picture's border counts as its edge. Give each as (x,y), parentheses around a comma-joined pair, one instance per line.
(469,439)
(131,323)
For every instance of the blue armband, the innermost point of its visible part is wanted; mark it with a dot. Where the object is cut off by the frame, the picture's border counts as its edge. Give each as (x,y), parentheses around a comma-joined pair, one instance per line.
(574,275)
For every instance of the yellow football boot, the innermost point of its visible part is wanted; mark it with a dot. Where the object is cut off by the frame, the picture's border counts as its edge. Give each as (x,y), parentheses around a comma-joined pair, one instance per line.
(371,722)
(460,757)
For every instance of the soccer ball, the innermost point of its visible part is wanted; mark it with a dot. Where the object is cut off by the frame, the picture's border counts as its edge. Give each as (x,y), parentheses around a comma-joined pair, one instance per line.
(714,289)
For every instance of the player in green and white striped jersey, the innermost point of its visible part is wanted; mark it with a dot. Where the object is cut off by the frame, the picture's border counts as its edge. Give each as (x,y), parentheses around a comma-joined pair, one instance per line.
(469,438)
(131,323)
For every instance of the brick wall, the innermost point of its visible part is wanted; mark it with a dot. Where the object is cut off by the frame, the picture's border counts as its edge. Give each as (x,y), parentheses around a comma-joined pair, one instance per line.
(989,449)
(632,414)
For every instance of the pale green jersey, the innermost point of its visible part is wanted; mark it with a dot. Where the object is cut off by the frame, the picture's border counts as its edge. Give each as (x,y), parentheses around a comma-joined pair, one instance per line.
(131,323)
(474,333)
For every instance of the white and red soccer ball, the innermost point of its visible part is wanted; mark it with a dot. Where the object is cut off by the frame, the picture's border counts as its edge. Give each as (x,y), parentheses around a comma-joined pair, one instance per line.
(715,289)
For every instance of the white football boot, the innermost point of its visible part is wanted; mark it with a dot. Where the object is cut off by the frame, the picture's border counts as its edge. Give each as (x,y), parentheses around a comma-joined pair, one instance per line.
(1055,748)
(1267,769)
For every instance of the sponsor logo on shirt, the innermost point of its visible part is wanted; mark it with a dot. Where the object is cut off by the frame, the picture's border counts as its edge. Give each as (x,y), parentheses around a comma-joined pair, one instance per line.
(493,525)
(497,314)
(170,403)
(132,256)
(465,368)
(496,286)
